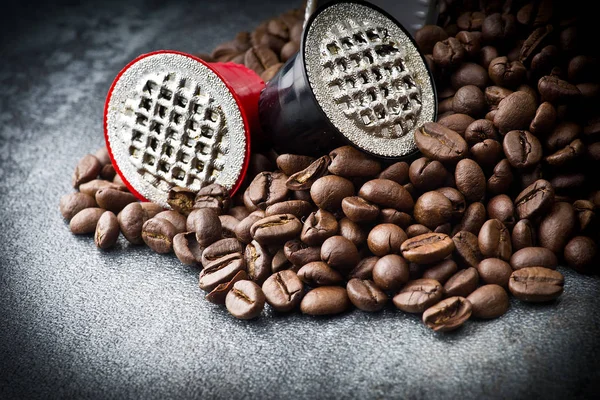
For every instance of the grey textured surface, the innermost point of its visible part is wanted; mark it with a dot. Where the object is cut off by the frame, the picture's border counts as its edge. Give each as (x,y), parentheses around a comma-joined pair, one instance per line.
(78,322)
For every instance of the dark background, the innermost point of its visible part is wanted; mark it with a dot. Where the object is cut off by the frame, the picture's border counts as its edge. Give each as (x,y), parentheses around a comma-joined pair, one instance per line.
(128,323)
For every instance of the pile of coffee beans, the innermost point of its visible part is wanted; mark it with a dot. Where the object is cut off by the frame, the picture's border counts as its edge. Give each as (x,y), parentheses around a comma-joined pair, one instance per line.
(503,192)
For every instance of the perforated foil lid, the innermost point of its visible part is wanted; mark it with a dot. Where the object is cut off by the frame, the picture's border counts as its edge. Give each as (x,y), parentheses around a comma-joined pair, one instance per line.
(171,121)
(368,78)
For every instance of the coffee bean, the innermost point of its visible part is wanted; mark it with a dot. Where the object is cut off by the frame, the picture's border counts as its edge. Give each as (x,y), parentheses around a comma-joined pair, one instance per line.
(220,271)
(352,231)
(325,300)
(515,112)
(392,216)
(215,197)
(563,134)
(283,290)
(557,227)
(523,235)
(291,163)
(102,156)
(580,252)
(259,58)
(93,186)
(469,100)
(501,179)
(390,272)
(365,295)
(228,225)
(340,253)
(495,94)
(288,50)
(267,188)
(276,229)
(522,149)
(471,42)
(502,208)
(470,180)
(507,73)
(158,234)
(494,240)
(487,153)
(386,239)
(85,221)
(329,191)
(463,283)
(107,231)
(245,300)
(151,209)
(499,28)
(448,53)
(397,172)
(299,208)
(207,225)
(87,169)
(567,154)
(178,220)
(440,143)
(108,172)
(470,21)
(319,273)
(242,230)
(416,230)
(364,269)
(426,174)
(258,262)
(220,249)
(489,301)
(299,253)
(428,36)
(187,249)
(427,248)
(130,220)
(388,194)
(469,74)
(181,200)
(536,284)
(72,203)
(418,295)
(555,90)
(473,219)
(467,251)
(585,214)
(433,209)
(218,294)
(535,200)
(480,130)
(568,182)
(544,119)
(319,226)
(533,257)
(358,209)
(113,200)
(448,314)
(347,161)
(304,179)
(441,272)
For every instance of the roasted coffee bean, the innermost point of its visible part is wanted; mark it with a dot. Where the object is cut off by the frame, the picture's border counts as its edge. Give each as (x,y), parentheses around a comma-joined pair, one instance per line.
(258,262)
(72,203)
(107,230)
(116,181)
(440,143)
(502,208)
(494,271)
(299,253)
(515,112)
(187,249)
(245,300)
(280,262)
(467,251)
(555,90)
(533,257)
(220,271)
(108,172)
(498,28)
(215,197)
(340,253)
(131,219)
(495,94)
(563,134)
(292,163)
(304,179)
(85,221)
(486,55)
(536,284)
(469,100)
(319,226)
(469,74)
(364,269)
(569,153)
(392,216)
(494,240)
(270,72)
(489,301)
(151,209)
(544,119)
(470,180)
(441,272)
(181,200)
(446,107)
(259,58)
(397,172)
(535,200)
(428,36)
(218,294)
(470,21)
(471,42)
(358,209)
(352,231)
(585,213)
(448,53)
(266,188)
(228,225)
(580,252)
(288,50)
(102,155)
(390,272)
(418,295)
(427,248)
(158,234)
(87,169)
(318,273)
(463,283)
(426,174)
(178,220)
(329,191)
(502,178)
(487,153)
(416,230)
(276,229)
(283,290)
(386,239)
(325,300)
(114,200)
(507,73)
(387,194)
(567,182)
(433,209)
(299,208)
(557,227)
(220,249)
(473,219)
(93,186)
(480,130)
(523,235)
(448,314)
(365,295)
(522,149)
(347,161)
(207,225)
(242,230)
